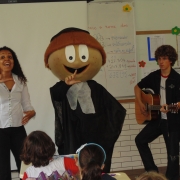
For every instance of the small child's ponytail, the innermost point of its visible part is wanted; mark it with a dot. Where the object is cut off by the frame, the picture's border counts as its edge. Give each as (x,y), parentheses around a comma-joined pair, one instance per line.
(92,171)
(91,158)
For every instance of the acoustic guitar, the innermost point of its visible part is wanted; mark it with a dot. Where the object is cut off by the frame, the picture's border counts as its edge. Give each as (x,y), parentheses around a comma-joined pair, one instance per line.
(152,104)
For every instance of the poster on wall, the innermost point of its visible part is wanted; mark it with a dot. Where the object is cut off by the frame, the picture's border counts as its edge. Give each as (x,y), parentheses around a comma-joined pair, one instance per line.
(178,50)
(153,42)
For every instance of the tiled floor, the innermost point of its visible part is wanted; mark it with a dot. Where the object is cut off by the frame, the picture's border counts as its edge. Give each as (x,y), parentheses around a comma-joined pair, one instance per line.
(15,175)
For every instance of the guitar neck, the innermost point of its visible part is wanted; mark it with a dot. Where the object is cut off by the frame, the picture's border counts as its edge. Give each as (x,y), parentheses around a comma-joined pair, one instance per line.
(154,107)
(171,107)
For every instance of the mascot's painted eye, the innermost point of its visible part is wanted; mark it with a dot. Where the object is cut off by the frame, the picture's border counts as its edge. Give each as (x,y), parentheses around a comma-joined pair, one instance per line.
(83,53)
(70,53)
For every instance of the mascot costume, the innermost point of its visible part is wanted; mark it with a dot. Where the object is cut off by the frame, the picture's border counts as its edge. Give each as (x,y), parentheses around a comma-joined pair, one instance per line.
(85,111)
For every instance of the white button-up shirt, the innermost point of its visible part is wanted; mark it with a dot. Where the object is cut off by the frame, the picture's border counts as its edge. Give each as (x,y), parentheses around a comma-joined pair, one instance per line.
(13,103)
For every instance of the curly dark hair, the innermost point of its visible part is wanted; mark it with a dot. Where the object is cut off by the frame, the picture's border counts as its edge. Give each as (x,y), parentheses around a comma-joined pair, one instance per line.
(166,50)
(91,159)
(17,68)
(38,149)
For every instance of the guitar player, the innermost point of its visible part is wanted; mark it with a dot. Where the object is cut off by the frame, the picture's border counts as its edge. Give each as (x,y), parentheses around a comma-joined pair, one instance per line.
(166,83)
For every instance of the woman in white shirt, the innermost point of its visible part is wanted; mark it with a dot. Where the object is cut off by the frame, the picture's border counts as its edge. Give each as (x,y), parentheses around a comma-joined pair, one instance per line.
(15,110)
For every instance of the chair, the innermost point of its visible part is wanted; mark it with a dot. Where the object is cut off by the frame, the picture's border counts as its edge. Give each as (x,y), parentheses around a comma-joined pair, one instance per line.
(23,169)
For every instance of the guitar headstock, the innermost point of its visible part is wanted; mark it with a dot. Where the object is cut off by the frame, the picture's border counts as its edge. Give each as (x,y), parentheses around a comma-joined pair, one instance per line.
(174,107)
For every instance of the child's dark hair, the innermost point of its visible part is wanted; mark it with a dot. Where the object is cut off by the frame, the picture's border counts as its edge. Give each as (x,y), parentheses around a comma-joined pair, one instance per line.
(38,149)
(91,158)
(166,50)
(17,68)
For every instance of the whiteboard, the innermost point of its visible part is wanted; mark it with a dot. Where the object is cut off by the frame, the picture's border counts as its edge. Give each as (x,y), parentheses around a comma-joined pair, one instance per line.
(115,30)
(27,28)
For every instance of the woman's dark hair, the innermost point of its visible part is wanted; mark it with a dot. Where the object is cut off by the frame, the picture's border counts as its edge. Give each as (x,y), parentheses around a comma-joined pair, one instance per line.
(91,158)
(17,68)
(166,50)
(38,149)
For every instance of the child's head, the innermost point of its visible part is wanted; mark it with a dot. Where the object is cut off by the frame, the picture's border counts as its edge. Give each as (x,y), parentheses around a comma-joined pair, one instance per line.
(166,50)
(91,159)
(38,149)
(152,175)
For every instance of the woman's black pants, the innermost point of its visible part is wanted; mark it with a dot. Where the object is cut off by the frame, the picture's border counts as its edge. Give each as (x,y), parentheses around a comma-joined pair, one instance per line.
(10,139)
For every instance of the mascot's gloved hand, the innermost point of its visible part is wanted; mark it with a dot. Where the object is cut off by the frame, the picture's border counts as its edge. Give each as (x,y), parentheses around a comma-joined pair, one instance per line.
(70,79)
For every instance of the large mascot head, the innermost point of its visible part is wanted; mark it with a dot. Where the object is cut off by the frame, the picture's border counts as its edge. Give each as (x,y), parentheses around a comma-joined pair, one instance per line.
(74,49)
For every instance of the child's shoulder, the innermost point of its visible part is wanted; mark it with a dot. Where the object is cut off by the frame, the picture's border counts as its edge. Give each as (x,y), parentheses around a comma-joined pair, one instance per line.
(57,162)
(57,159)
(30,168)
(32,171)
(63,160)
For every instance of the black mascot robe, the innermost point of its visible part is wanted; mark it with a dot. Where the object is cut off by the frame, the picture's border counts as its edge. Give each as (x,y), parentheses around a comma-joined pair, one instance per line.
(74,128)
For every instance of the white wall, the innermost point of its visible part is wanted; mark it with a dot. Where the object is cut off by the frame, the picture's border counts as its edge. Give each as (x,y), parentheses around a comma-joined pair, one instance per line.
(27,28)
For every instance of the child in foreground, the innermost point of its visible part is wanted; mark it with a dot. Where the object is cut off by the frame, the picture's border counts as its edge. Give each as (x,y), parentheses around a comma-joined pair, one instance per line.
(151,175)
(39,149)
(91,158)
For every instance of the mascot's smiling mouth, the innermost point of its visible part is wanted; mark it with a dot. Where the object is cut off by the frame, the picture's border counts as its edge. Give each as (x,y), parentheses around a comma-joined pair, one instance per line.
(79,70)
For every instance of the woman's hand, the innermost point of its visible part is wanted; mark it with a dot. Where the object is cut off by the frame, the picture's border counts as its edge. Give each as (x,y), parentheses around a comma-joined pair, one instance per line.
(28,116)
(70,79)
